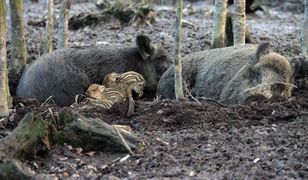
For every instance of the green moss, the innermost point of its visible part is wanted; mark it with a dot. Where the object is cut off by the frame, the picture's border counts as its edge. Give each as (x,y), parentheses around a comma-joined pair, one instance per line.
(65,117)
(29,133)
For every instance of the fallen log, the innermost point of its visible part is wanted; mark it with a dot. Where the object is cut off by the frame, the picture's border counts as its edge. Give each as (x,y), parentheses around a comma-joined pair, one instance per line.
(34,134)
(95,134)
(25,139)
(13,169)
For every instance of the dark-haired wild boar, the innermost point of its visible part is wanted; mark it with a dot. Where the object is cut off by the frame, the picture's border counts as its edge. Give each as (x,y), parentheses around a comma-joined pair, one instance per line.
(64,73)
(231,75)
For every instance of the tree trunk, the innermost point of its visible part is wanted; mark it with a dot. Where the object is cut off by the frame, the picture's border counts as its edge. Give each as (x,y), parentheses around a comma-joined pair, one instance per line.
(18,46)
(239,21)
(49,27)
(304,38)
(4,83)
(178,81)
(229,33)
(63,24)
(218,35)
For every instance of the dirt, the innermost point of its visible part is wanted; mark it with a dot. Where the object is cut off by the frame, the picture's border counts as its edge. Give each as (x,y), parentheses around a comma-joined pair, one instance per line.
(260,139)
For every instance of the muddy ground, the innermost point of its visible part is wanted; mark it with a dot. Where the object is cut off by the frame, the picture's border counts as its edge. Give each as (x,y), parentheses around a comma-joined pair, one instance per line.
(261,139)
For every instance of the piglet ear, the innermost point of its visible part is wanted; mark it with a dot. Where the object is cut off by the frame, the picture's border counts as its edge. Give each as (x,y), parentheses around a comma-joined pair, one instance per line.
(144,45)
(101,88)
(263,49)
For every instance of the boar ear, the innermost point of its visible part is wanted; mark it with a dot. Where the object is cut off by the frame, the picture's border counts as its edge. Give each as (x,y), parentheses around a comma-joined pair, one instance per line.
(263,49)
(144,46)
(297,65)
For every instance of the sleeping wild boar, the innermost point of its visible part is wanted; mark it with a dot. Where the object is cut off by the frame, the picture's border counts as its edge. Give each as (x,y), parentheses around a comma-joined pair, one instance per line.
(231,75)
(67,72)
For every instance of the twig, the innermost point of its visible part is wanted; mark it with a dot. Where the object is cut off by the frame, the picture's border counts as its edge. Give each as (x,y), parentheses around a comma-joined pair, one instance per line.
(53,117)
(123,140)
(162,141)
(46,101)
(213,100)
(189,93)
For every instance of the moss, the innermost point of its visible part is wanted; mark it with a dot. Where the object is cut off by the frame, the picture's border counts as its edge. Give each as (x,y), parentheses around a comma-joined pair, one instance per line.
(12,169)
(65,117)
(29,134)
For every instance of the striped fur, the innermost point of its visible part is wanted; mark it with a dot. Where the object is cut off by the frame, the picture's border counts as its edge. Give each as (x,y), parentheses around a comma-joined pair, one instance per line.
(106,96)
(104,103)
(128,81)
(117,87)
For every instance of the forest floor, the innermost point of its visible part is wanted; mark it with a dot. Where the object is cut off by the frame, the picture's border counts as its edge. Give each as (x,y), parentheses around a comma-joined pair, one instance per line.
(261,139)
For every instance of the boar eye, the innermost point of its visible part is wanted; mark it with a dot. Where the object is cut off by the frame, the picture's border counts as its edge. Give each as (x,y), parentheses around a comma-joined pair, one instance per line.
(257,79)
(163,57)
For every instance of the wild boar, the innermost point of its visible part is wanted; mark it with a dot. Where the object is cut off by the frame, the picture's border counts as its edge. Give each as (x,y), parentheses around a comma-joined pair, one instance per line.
(130,81)
(67,72)
(231,75)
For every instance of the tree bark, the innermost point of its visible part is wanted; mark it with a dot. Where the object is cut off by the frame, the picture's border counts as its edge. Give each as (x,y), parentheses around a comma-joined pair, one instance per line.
(239,21)
(229,38)
(63,24)
(18,46)
(178,80)
(304,38)
(218,34)
(4,83)
(49,27)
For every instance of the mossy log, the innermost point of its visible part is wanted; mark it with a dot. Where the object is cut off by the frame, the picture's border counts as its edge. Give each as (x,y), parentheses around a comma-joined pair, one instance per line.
(34,134)
(14,170)
(95,134)
(24,140)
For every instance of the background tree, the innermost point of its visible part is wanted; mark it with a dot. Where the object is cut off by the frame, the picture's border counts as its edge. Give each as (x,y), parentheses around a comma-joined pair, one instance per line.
(239,22)
(49,27)
(178,81)
(63,24)
(18,46)
(218,34)
(304,38)
(4,85)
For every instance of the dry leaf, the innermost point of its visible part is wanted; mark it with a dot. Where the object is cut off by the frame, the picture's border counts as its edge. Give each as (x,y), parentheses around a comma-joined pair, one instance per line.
(78,150)
(91,153)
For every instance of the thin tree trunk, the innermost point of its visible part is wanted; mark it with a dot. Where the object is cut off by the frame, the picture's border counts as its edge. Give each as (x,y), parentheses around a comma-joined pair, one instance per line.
(18,46)
(239,21)
(4,85)
(49,27)
(304,38)
(178,81)
(218,35)
(63,24)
